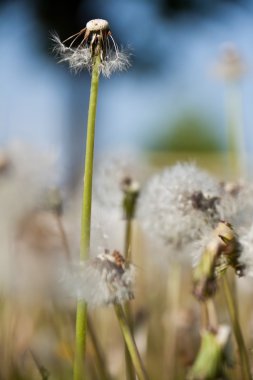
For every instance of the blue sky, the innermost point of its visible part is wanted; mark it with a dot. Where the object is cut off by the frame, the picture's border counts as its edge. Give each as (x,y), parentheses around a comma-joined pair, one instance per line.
(40,100)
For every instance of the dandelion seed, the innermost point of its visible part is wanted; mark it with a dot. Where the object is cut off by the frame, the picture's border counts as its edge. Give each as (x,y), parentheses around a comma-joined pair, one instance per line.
(95,39)
(178,206)
(103,280)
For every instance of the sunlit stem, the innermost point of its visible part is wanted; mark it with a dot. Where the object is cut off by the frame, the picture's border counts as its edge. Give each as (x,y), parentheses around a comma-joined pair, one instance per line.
(81,312)
(130,374)
(246,375)
(130,342)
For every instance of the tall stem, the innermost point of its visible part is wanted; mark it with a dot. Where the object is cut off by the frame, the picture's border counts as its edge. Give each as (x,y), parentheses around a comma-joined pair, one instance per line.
(130,374)
(131,345)
(246,375)
(81,312)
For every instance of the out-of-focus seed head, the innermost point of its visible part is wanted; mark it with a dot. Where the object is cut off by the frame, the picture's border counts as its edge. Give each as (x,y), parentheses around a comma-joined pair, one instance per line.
(131,190)
(178,206)
(104,280)
(231,66)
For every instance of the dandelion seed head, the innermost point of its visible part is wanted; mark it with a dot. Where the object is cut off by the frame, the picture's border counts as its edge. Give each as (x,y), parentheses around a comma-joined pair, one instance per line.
(178,206)
(97,24)
(104,280)
(95,39)
(236,204)
(110,175)
(246,256)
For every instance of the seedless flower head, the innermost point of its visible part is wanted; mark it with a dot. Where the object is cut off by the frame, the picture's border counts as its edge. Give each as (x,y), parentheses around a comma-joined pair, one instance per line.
(95,40)
(103,280)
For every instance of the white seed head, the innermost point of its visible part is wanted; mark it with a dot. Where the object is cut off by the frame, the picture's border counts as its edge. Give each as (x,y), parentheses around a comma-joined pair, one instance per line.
(97,24)
(178,206)
(111,172)
(246,257)
(82,47)
(103,280)
(236,204)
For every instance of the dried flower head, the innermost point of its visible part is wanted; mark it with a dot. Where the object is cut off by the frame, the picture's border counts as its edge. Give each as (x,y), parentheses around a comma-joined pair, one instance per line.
(221,251)
(178,206)
(95,40)
(103,280)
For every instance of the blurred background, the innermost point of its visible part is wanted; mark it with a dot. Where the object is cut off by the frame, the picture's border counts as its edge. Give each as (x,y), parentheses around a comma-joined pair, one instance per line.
(187,95)
(172,98)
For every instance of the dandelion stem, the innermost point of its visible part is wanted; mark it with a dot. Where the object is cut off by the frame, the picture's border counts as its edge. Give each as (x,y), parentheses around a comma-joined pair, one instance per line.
(42,370)
(81,312)
(130,374)
(246,375)
(129,340)
(100,360)
(64,238)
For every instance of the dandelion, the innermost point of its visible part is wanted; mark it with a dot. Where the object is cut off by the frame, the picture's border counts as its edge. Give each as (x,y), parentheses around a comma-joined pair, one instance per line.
(178,206)
(101,281)
(94,48)
(231,68)
(95,39)
(110,174)
(107,280)
(231,65)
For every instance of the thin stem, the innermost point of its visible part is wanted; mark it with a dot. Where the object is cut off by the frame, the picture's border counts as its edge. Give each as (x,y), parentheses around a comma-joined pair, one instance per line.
(211,315)
(100,360)
(130,374)
(81,312)
(42,370)
(246,375)
(128,240)
(64,238)
(131,345)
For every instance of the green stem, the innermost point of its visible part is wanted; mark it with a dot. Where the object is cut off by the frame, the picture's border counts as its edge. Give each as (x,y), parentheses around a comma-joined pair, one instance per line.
(131,345)
(81,312)
(130,374)
(246,375)
(128,240)
(100,360)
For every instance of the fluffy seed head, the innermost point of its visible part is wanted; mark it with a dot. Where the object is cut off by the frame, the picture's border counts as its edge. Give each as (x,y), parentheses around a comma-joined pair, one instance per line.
(104,280)
(178,206)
